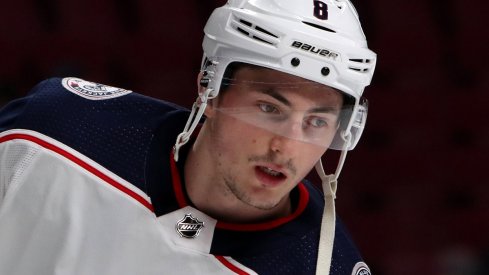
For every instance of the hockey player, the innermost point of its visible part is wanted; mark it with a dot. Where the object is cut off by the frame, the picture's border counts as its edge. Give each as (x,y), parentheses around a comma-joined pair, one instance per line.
(100,180)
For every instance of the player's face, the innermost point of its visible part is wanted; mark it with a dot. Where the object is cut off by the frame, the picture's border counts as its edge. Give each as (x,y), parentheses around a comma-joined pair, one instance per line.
(265,130)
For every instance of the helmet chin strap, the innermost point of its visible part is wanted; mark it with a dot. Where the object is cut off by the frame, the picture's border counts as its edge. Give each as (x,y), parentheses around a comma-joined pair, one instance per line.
(328,222)
(198,109)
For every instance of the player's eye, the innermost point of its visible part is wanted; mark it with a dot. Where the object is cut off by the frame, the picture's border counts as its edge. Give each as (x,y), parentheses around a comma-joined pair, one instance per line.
(317,122)
(268,108)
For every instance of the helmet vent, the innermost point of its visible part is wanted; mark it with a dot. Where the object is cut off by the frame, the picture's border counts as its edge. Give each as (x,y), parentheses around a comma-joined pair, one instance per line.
(361,65)
(319,27)
(255,32)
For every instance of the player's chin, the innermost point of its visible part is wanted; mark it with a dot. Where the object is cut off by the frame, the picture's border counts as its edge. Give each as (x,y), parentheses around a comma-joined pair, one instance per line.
(266,200)
(265,206)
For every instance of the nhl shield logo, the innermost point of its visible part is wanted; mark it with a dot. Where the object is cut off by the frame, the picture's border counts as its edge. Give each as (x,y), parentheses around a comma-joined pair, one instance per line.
(189,227)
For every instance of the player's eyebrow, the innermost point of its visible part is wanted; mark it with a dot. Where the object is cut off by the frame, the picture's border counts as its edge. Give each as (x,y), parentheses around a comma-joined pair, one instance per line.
(325,109)
(273,93)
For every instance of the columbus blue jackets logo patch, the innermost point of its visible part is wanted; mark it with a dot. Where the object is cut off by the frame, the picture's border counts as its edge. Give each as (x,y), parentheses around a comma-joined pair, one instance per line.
(189,227)
(361,269)
(91,90)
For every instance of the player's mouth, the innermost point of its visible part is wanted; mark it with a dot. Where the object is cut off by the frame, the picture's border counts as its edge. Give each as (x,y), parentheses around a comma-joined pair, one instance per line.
(269,176)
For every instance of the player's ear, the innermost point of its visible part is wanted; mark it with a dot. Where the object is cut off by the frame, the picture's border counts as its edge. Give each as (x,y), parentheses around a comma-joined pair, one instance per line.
(209,110)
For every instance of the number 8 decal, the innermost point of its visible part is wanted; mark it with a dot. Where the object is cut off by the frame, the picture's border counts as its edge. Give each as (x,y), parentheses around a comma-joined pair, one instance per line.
(320,10)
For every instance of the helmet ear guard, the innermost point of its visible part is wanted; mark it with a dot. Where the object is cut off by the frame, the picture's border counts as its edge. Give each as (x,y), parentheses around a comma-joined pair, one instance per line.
(358,122)
(208,75)
(352,123)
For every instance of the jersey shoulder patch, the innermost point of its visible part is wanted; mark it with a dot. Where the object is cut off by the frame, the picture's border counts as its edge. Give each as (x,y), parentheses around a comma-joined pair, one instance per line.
(92,90)
(361,268)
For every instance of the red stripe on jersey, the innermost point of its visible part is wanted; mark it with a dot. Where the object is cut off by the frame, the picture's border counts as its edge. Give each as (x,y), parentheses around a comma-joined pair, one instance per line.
(80,163)
(232,267)
(177,183)
(303,200)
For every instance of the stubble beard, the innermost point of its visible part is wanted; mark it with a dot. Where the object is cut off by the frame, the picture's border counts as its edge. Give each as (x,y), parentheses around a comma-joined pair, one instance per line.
(241,195)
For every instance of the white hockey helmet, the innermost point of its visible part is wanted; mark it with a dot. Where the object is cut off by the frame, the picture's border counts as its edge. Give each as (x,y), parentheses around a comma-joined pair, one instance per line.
(321,41)
(317,40)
